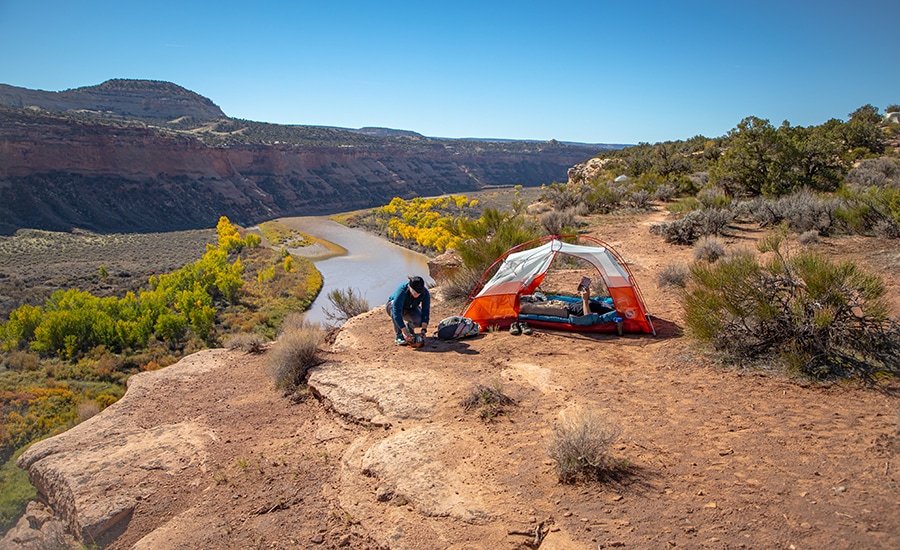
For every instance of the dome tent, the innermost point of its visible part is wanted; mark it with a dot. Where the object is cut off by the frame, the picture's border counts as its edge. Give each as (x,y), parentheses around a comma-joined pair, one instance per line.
(520,270)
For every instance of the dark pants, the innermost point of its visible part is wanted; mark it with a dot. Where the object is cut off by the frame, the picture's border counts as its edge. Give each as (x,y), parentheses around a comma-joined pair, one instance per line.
(413,317)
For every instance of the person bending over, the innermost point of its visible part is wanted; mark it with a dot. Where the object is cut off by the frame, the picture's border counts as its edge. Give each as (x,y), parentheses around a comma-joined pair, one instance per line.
(409,308)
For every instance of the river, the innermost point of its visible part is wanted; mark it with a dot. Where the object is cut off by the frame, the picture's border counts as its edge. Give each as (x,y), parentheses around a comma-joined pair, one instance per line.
(371,266)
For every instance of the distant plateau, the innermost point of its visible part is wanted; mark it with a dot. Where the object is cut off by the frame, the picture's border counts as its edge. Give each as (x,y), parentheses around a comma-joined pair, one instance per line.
(144,156)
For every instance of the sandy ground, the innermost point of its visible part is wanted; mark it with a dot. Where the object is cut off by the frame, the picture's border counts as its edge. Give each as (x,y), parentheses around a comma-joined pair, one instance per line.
(710,458)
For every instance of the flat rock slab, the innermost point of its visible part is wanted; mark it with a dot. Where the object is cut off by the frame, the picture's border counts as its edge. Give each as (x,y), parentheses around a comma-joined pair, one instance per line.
(409,465)
(377,396)
(94,474)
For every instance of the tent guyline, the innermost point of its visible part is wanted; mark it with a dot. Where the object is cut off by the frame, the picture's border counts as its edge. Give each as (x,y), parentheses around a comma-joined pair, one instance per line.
(522,268)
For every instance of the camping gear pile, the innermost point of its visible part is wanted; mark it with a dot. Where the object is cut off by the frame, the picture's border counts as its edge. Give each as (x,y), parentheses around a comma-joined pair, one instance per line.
(456,327)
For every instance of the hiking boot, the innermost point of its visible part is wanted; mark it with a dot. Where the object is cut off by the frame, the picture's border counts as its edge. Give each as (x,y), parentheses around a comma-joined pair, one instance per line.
(526,330)
(514,329)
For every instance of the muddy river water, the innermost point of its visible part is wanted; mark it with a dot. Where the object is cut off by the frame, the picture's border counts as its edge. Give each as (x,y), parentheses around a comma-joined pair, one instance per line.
(371,266)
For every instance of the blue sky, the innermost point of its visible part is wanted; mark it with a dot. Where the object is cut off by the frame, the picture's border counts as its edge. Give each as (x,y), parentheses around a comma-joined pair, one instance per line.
(598,72)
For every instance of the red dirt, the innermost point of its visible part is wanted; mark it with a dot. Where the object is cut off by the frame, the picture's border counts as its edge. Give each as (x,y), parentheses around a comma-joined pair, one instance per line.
(715,458)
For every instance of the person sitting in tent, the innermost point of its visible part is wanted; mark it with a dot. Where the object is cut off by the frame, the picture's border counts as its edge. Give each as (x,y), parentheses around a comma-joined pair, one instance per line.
(409,308)
(586,306)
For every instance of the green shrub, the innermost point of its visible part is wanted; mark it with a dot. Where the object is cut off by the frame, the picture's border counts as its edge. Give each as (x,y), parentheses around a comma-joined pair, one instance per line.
(15,492)
(245,341)
(606,197)
(488,237)
(292,355)
(803,312)
(713,197)
(673,275)
(685,205)
(580,445)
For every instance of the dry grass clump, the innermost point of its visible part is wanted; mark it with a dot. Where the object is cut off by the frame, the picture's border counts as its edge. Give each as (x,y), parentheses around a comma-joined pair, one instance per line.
(20,361)
(808,237)
(245,341)
(664,193)
(693,225)
(488,400)
(559,222)
(709,249)
(801,211)
(888,229)
(294,353)
(580,445)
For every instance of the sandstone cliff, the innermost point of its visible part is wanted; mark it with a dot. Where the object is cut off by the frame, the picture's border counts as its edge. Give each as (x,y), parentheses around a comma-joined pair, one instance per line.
(60,170)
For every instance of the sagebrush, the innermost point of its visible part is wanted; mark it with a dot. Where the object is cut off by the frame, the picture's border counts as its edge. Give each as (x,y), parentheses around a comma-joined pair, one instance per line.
(345,304)
(580,445)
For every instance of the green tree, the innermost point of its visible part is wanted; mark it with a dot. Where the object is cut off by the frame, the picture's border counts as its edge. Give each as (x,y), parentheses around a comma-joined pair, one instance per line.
(863,130)
(750,164)
(812,156)
(171,327)
(19,330)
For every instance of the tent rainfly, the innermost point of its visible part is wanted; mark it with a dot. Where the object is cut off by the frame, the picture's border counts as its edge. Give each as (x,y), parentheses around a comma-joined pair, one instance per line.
(521,272)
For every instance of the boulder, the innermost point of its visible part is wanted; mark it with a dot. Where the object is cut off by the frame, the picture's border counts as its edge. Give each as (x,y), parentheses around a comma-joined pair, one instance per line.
(442,267)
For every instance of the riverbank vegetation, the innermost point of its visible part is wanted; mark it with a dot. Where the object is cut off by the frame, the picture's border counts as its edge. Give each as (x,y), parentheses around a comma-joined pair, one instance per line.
(279,234)
(70,357)
(430,225)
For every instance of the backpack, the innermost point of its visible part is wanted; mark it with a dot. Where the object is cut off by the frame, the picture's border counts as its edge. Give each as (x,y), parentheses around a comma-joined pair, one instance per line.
(455,327)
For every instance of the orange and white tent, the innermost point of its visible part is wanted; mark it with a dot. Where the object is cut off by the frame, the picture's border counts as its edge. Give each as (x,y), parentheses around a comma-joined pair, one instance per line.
(522,269)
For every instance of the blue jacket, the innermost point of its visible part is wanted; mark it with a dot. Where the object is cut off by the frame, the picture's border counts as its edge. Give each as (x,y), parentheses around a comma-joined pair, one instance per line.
(401,300)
